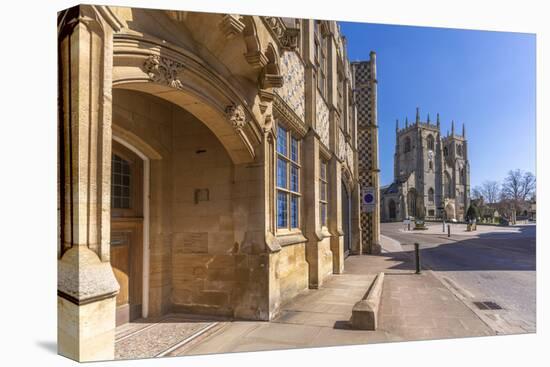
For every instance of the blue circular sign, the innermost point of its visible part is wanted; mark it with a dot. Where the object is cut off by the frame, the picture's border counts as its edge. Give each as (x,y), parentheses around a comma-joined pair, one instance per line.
(369,198)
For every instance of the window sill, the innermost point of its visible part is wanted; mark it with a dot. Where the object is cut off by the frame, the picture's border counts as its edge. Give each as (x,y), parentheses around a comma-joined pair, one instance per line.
(290,238)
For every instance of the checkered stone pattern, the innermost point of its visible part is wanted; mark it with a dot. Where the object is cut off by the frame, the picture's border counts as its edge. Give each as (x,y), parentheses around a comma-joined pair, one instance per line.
(365,90)
(322,126)
(293,89)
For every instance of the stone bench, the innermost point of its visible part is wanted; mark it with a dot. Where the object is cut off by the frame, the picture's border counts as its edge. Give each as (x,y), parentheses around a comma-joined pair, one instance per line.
(364,315)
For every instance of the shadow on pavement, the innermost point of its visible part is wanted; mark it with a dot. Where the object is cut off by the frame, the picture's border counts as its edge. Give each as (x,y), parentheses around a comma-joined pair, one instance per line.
(487,251)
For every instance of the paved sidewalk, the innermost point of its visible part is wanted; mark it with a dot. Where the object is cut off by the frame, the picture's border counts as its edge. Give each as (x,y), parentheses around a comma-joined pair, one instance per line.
(413,307)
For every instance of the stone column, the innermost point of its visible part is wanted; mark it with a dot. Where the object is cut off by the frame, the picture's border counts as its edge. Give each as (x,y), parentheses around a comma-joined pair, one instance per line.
(310,207)
(86,285)
(335,214)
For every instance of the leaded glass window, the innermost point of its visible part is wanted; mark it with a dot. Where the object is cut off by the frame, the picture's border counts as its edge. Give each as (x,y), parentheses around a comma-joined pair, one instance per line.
(288,180)
(323,193)
(120,183)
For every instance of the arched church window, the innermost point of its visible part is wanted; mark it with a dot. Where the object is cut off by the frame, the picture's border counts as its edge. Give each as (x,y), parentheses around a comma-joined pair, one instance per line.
(407,144)
(430,141)
(445,151)
(462,177)
(459,150)
(431,195)
(431,165)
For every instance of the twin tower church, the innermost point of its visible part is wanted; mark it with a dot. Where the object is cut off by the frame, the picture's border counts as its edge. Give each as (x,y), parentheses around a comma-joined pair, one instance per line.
(431,173)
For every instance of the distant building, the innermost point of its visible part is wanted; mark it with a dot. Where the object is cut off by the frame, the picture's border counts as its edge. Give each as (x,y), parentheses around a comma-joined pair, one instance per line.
(431,173)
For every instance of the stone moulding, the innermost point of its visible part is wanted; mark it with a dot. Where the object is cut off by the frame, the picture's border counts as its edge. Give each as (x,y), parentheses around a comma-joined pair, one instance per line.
(231,25)
(164,71)
(288,115)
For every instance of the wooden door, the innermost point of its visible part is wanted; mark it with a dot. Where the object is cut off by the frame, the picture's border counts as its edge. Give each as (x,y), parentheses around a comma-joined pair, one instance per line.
(127,231)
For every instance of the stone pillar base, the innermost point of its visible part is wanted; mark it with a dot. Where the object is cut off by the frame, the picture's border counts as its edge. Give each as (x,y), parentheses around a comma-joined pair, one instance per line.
(86,306)
(86,333)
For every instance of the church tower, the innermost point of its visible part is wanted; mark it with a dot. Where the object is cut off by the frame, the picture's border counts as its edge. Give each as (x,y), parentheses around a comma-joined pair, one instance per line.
(456,179)
(431,172)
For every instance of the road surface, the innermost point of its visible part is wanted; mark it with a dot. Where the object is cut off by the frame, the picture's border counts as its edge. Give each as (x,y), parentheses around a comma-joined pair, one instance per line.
(491,266)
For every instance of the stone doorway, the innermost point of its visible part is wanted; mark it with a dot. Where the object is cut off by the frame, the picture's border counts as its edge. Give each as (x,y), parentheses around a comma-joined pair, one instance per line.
(126,250)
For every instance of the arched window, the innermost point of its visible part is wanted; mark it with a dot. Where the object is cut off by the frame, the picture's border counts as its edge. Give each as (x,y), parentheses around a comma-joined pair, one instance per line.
(445,151)
(430,141)
(431,165)
(462,177)
(431,195)
(407,144)
(459,150)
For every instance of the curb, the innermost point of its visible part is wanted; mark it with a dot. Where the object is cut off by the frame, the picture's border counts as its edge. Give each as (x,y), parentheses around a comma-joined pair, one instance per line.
(364,315)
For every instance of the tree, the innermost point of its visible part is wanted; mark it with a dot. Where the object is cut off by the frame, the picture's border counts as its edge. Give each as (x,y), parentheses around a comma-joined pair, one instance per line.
(518,185)
(490,190)
(476,193)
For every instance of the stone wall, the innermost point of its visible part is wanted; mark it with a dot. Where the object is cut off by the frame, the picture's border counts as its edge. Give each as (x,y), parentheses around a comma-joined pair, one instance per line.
(196,261)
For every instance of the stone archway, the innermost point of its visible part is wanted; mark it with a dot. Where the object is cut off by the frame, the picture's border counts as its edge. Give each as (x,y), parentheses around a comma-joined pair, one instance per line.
(146,65)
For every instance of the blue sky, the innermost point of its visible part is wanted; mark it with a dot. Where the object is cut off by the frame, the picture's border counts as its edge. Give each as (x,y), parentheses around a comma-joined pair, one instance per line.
(484,79)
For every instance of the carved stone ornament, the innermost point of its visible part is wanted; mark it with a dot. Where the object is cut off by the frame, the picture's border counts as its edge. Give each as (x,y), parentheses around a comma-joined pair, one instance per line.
(164,71)
(236,115)
(289,39)
(276,26)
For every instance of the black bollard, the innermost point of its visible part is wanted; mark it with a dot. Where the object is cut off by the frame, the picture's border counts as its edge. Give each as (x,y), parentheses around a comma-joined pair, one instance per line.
(417,257)
(448,230)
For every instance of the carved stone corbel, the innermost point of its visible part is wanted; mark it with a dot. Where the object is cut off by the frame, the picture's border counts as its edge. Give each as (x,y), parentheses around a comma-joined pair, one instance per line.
(231,25)
(256,59)
(269,79)
(236,115)
(266,97)
(164,71)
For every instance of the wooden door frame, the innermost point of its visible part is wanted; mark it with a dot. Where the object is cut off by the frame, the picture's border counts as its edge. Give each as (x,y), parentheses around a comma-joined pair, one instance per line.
(146,223)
